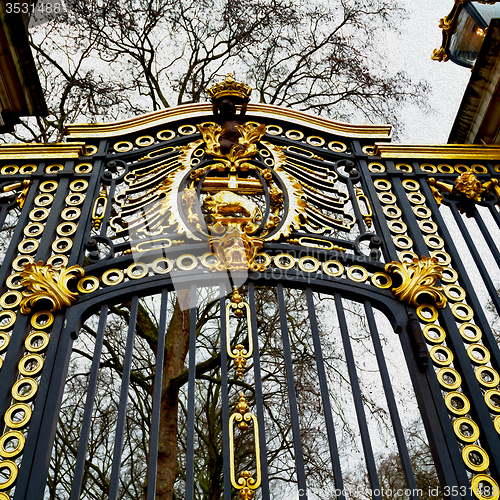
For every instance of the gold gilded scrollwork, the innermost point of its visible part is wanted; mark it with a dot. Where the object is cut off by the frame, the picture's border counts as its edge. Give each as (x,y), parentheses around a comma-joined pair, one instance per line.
(439,55)
(46,282)
(419,278)
(469,185)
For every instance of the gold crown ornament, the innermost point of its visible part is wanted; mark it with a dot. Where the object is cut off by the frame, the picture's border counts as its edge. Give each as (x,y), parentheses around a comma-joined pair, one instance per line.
(230,87)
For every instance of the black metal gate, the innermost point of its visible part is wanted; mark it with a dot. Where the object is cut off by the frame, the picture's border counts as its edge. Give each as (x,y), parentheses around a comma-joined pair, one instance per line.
(300,313)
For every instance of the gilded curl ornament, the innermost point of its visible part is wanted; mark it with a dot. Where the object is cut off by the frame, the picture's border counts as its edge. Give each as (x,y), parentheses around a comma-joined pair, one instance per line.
(46,282)
(418,279)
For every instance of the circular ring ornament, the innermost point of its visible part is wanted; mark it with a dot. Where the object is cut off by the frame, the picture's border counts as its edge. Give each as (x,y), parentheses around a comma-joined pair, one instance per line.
(30,365)
(66,229)
(442,257)
(454,292)
(397,226)
(7,319)
(263,259)
(467,327)
(402,242)
(411,185)
(28,169)
(29,245)
(339,147)
(449,379)
(10,299)
(4,342)
(186,129)
(48,186)
(193,262)
(496,423)
(19,263)
(10,170)
(274,130)
(449,275)
(485,487)
(137,270)
(144,140)
(382,185)
(304,261)
(429,168)
(484,354)
(416,198)
(475,458)
(79,186)
(123,146)
(58,260)
(71,213)
(33,229)
(479,169)
(357,273)
(62,245)
(407,256)
(381,280)
(434,334)
(18,392)
(427,313)
(387,198)
(338,268)
(289,261)
(457,403)
(462,312)
(13,412)
(165,135)
(446,169)
(461,169)
(492,400)
(369,150)
(37,342)
(392,212)
(53,169)
(487,377)
(44,200)
(11,481)
(466,429)
(83,168)
(162,261)
(42,320)
(316,140)
(112,277)
(422,212)
(404,167)
(205,260)
(88,284)
(90,150)
(38,214)
(75,199)
(295,135)
(428,226)
(12,452)
(441,355)
(434,241)
(14,280)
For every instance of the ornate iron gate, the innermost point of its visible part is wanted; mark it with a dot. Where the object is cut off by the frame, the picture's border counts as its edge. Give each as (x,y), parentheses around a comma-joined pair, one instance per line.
(262,226)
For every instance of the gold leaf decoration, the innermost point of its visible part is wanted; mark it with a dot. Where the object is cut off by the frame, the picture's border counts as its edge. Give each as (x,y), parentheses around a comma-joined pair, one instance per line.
(469,185)
(419,278)
(46,282)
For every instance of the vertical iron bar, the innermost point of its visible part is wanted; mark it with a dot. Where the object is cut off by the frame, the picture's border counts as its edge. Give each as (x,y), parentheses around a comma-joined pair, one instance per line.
(224,395)
(358,399)
(292,396)
(325,396)
(89,406)
(259,401)
(391,402)
(122,409)
(191,391)
(156,413)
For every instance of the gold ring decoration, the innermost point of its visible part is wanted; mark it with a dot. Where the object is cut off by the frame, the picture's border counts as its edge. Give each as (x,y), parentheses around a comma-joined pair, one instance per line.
(29,245)
(137,270)
(428,226)
(295,135)
(466,429)
(315,140)
(496,423)
(162,265)
(313,264)
(392,212)
(14,280)
(19,263)
(461,169)
(62,245)
(193,262)
(4,342)
(445,169)
(474,329)
(397,226)
(457,403)
(411,185)
(387,198)
(12,416)
(112,277)
(88,284)
(369,150)
(454,292)
(37,342)
(8,438)
(53,169)
(20,394)
(28,169)
(289,261)
(33,229)
(376,168)
(488,377)
(442,257)
(165,135)
(475,458)
(481,484)
(71,213)
(75,199)
(381,280)
(402,242)
(144,140)
(382,185)
(58,261)
(441,355)
(90,150)
(38,214)
(477,349)
(83,168)
(7,319)
(274,130)
(209,260)
(357,273)
(263,259)
(44,200)
(10,299)
(122,146)
(422,212)
(338,147)
(479,169)
(30,365)
(79,185)
(492,400)
(449,378)
(434,241)
(434,334)
(427,313)
(449,275)
(416,198)
(42,320)
(404,167)
(9,170)
(338,268)
(407,256)
(12,468)
(186,129)
(462,312)
(48,186)
(66,229)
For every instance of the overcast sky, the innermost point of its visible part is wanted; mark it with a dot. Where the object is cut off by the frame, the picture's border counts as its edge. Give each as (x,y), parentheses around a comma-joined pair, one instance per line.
(412,50)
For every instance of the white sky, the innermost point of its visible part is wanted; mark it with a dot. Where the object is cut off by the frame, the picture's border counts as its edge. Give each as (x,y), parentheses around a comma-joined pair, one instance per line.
(412,50)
